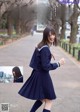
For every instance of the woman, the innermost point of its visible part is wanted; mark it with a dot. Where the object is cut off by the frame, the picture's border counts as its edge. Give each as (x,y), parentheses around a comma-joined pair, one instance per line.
(39,86)
(17,74)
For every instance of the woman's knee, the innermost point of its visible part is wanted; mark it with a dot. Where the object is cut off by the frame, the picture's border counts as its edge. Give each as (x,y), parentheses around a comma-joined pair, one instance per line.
(43,100)
(48,101)
(48,104)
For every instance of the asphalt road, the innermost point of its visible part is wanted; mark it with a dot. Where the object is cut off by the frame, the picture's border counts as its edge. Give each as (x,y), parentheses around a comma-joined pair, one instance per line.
(66,79)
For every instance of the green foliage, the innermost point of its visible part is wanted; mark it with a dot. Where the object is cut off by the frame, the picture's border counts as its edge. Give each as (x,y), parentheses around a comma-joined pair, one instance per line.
(3,23)
(64,40)
(1,43)
(67,41)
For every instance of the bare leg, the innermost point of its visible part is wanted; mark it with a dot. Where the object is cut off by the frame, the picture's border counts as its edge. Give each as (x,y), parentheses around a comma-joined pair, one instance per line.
(48,105)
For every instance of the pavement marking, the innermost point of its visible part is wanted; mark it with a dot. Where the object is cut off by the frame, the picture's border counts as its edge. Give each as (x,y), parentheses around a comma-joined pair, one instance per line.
(70,57)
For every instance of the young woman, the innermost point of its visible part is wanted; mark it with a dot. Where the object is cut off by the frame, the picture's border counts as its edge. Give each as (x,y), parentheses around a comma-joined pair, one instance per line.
(17,75)
(39,86)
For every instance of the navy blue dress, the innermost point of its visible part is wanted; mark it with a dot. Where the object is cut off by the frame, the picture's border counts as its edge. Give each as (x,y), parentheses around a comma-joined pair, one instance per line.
(39,85)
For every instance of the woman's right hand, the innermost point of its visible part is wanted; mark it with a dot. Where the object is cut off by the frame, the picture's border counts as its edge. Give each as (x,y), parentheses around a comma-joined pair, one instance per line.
(62,61)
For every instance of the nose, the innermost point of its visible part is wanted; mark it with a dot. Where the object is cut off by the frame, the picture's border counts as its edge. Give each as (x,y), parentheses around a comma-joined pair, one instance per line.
(52,37)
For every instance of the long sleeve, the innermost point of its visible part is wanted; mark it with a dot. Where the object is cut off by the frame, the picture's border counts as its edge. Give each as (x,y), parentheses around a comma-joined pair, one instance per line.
(33,62)
(45,60)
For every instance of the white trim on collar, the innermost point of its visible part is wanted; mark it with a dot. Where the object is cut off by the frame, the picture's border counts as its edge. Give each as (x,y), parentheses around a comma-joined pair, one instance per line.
(39,49)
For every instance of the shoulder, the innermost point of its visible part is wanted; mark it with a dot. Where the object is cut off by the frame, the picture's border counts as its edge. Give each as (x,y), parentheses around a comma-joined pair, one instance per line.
(20,79)
(43,48)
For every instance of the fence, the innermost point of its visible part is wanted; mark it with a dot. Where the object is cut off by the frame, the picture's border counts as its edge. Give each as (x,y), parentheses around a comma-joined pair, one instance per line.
(71,49)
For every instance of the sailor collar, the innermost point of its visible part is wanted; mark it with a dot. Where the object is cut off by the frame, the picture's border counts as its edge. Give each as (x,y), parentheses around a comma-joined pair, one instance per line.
(39,49)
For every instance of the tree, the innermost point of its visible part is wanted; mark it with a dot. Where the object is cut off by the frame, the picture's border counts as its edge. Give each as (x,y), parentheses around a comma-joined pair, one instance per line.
(22,17)
(59,12)
(15,13)
(73,22)
(55,15)
(63,20)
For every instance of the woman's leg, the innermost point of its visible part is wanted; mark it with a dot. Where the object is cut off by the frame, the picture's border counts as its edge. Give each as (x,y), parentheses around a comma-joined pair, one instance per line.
(48,105)
(36,105)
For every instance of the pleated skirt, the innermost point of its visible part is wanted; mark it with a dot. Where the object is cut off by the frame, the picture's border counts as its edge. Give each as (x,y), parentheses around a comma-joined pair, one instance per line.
(38,86)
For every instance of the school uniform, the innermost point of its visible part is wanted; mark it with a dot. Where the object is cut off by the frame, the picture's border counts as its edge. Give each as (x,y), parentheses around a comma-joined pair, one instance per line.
(18,80)
(39,85)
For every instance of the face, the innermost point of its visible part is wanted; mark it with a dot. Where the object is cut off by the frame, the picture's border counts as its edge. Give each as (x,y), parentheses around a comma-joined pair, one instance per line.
(13,73)
(51,38)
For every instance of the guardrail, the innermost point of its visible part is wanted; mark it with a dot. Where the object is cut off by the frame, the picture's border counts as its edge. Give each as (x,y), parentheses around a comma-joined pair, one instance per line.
(71,49)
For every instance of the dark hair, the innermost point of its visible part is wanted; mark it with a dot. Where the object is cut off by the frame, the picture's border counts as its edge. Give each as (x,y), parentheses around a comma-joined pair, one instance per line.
(46,34)
(17,72)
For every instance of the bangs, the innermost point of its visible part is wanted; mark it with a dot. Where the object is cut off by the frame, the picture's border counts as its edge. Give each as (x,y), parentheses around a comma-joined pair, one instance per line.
(53,32)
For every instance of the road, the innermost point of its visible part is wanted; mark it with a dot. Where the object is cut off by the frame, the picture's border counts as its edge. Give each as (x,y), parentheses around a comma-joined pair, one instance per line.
(66,79)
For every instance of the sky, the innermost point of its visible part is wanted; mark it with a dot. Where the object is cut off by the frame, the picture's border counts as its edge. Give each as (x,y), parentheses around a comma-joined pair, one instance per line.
(42,1)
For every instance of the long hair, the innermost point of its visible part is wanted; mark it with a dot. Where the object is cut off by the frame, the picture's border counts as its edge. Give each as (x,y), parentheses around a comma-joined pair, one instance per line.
(46,34)
(17,72)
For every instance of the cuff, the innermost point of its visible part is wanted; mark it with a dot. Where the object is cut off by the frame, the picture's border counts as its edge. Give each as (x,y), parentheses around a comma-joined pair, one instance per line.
(58,64)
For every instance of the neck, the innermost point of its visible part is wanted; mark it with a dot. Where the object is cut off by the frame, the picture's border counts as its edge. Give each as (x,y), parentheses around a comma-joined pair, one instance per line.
(49,44)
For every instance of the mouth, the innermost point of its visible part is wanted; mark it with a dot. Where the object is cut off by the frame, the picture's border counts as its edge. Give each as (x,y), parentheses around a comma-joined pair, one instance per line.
(51,40)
